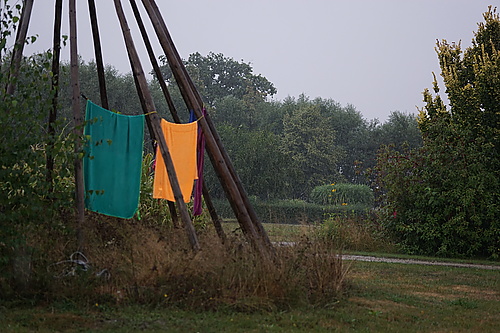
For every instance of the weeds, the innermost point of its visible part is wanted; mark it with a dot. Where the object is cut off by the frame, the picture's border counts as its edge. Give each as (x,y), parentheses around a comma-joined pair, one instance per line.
(355,233)
(152,264)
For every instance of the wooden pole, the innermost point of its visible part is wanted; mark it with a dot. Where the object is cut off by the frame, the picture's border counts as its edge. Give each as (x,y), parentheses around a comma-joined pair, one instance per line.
(78,123)
(173,111)
(216,220)
(255,220)
(154,63)
(56,52)
(98,55)
(193,102)
(253,216)
(232,192)
(149,48)
(155,121)
(171,205)
(17,53)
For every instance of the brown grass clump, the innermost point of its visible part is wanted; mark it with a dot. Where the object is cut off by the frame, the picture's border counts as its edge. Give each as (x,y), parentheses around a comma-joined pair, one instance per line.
(355,233)
(132,261)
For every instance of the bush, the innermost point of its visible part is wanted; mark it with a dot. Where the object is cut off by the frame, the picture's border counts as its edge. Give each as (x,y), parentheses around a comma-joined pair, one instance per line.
(442,199)
(342,194)
(355,233)
(292,211)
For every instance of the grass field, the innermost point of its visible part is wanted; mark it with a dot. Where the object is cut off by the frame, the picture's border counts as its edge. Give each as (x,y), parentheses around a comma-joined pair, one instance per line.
(380,297)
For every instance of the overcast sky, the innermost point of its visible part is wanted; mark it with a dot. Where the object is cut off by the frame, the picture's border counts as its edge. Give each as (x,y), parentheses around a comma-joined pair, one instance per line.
(377,55)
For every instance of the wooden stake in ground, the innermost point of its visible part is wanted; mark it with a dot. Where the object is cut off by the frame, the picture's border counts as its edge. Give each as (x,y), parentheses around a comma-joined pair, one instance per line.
(56,52)
(17,53)
(78,123)
(98,55)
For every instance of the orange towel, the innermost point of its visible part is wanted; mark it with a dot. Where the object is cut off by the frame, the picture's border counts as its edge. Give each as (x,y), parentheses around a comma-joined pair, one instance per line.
(181,143)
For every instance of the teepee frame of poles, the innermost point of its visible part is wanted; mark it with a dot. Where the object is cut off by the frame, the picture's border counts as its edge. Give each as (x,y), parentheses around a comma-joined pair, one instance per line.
(233,188)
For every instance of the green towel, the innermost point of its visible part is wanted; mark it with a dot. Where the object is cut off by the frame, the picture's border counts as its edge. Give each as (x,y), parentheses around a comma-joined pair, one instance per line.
(112,162)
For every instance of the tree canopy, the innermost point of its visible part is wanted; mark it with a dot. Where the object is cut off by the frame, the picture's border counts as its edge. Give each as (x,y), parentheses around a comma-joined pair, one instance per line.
(218,76)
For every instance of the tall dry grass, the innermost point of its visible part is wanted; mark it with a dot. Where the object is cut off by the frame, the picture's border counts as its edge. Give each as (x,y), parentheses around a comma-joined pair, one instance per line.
(150,264)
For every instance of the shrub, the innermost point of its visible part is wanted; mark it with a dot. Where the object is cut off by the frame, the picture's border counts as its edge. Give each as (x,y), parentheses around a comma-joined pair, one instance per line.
(342,194)
(291,211)
(355,233)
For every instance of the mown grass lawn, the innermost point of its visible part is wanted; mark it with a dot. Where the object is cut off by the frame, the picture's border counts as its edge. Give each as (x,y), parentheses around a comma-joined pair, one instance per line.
(380,297)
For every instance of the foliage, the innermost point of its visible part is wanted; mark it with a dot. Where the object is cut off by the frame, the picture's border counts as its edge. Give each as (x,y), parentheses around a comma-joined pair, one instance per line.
(309,141)
(354,233)
(256,155)
(443,198)
(293,211)
(310,144)
(218,76)
(342,194)
(151,209)
(29,200)
(400,130)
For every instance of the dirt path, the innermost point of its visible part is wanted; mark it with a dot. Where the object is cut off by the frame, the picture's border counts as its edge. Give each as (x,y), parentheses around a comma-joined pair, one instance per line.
(418,262)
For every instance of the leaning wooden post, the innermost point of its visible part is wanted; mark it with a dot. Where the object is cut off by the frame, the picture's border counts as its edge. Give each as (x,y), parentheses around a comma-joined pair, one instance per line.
(56,50)
(155,121)
(154,63)
(232,192)
(98,55)
(78,123)
(17,53)
(220,166)
(173,111)
(253,216)
(149,48)
(171,205)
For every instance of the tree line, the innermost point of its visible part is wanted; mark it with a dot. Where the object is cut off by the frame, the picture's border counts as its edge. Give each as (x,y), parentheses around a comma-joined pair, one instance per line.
(280,149)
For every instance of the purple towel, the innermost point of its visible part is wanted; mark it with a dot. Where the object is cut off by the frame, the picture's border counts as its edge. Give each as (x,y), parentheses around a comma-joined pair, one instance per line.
(200,151)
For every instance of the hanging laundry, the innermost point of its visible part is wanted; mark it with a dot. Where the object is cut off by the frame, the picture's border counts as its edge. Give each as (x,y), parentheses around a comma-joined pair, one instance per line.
(200,154)
(181,142)
(113,161)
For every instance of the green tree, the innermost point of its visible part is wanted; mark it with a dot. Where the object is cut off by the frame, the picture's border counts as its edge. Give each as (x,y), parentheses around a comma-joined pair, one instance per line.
(400,130)
(310,143)
(217,76)
(27,206)
(444,197)
(122,94)
(259,161)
